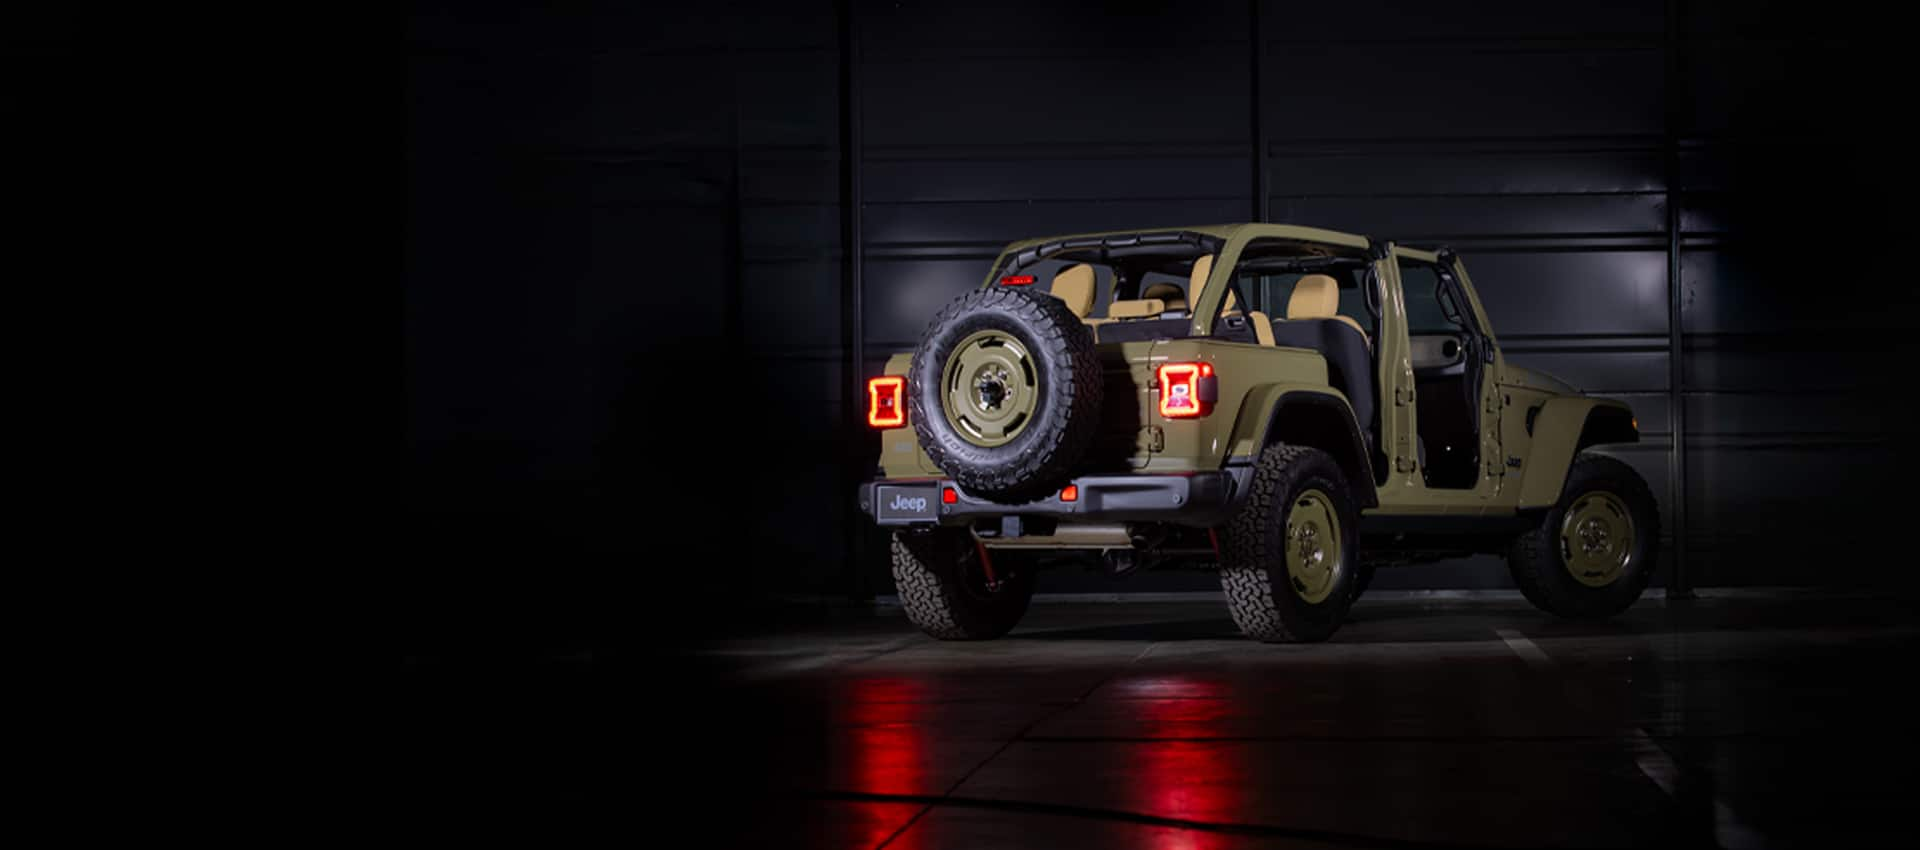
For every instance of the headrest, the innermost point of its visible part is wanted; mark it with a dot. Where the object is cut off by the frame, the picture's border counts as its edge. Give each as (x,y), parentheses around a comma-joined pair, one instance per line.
(1262,327)
(1315,296)
(1197,283)
(1169,292)
(1074,285)
(1139,309)
(1197,279)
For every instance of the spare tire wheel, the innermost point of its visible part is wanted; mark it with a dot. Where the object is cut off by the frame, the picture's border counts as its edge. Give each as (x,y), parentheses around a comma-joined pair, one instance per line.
(1005,392)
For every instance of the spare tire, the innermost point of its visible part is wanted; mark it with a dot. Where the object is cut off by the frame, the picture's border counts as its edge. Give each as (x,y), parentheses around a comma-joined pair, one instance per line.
(1005,393)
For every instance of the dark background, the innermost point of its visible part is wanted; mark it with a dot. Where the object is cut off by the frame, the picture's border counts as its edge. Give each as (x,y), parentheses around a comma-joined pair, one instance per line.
(649,255)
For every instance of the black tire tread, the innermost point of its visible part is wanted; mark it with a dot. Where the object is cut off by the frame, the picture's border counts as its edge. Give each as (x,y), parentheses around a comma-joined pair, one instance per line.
(1250,559)
(926,576)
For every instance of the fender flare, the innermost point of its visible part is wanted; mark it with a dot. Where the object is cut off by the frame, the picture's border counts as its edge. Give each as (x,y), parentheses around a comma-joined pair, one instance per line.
(1561,429)
(1262,420)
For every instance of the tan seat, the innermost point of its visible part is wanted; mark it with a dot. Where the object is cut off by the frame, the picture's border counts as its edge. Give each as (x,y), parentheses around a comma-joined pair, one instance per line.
(1262,327)
(1317,296)
(1313,324)
(1142,308)
(1197,284)
(1074,285)
(1168,293)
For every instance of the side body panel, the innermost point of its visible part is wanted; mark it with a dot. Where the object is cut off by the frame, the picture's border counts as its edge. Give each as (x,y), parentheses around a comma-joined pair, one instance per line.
(1319,412)
(1246,374)
(1556,438)
(1262,404)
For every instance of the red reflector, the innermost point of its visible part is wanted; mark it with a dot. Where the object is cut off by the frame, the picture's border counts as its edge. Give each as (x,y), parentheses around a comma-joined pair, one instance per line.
(884,396)
(948,496)
(1017,280)
(1070,493)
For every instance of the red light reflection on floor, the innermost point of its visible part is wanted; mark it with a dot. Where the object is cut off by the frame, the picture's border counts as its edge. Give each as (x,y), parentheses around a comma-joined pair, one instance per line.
(886,745)
(1196,780)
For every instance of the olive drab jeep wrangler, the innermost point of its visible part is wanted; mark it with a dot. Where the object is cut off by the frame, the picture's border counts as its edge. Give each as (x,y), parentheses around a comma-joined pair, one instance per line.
(1290,406)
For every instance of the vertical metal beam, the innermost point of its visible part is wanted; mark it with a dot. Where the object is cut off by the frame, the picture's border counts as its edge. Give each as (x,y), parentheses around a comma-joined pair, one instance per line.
(732,298)
(1256,45)
(852,299)
(733,303)
(1680,582)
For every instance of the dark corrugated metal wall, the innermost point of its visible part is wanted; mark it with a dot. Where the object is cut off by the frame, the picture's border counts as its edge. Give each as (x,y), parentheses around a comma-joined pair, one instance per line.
(593,200)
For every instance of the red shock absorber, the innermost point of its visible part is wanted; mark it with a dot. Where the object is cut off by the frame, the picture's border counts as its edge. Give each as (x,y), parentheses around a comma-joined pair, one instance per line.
(986,564)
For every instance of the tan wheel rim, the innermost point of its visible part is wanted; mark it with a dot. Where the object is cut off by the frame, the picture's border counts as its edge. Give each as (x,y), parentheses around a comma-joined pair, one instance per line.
(1596,539)
(1315,557)
(990,388)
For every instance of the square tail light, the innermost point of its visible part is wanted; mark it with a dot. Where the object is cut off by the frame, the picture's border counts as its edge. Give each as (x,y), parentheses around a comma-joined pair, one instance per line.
(886,401)
(1187,390)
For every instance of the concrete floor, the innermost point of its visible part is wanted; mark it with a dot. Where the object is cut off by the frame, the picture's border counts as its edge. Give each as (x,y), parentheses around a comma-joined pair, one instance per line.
(1744,719)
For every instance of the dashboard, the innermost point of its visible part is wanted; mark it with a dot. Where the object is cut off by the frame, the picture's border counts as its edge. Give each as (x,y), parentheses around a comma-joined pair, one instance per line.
(1438,355)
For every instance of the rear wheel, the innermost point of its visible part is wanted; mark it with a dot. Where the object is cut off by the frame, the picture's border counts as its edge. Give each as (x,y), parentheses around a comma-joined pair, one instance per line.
(1594,551)
(1290,558)
(954,590)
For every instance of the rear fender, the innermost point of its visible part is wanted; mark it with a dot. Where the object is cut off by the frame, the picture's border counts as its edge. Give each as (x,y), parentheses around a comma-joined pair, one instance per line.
(1317,416)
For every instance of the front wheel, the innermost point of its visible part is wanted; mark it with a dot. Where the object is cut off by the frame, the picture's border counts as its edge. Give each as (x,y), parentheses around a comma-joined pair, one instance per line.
(1290,557)
(1594,551)
(952,591)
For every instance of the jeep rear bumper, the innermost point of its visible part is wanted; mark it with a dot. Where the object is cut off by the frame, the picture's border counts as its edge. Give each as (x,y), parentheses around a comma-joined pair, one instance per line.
(1198,499)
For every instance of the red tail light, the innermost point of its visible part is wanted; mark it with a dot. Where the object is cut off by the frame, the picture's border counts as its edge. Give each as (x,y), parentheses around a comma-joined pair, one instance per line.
(886,397)
(1017,280)
(1187,390)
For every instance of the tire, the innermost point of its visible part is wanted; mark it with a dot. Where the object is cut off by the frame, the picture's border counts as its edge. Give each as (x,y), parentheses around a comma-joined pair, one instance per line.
(1362,580)
(1005,393)
(1268,600)
(944,590)
(1556,565)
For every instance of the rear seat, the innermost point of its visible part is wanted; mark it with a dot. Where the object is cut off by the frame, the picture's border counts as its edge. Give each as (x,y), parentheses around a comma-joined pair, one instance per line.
(1169,294)
(1074,285)
(1139,308)
(1314,323)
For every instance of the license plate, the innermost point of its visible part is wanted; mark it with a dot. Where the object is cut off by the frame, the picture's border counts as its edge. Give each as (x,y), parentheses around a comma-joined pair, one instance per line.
(902,504)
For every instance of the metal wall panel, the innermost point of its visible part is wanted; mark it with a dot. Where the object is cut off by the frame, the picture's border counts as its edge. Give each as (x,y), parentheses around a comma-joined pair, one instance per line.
(1787,368)
(606,208)
(1572,295)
